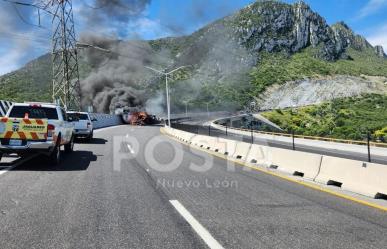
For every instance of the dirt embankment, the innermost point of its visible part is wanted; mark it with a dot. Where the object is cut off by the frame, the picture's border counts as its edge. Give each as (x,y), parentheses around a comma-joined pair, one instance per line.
(315,91)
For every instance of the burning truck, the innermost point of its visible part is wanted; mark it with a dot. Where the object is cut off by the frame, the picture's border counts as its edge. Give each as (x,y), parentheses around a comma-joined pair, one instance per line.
(133,116)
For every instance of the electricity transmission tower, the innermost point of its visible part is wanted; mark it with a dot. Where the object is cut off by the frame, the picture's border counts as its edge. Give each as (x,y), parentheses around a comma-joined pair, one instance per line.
(65,83)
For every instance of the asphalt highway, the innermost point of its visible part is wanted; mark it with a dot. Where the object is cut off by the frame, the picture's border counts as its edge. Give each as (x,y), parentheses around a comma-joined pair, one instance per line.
(135,188)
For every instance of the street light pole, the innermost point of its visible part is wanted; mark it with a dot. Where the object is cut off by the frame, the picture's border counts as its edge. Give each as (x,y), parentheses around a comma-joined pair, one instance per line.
(166,89)
(166,74)
(168,102)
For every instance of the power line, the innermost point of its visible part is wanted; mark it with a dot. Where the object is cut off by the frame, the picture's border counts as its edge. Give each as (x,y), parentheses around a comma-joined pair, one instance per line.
(37,6)
(16,3)
(22,18)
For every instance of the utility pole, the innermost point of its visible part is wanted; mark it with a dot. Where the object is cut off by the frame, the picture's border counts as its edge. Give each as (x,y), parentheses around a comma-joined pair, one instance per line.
(167,88)
(186,102)
(65,83)
(186,109)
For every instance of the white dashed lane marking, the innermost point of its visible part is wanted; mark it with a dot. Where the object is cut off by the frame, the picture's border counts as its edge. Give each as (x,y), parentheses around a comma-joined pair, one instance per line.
(196,226)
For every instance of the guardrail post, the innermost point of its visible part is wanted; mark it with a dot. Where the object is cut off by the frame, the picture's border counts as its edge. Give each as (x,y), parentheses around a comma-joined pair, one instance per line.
(368,146)
(293,142)
(209,130)
(226,130)
(252,135)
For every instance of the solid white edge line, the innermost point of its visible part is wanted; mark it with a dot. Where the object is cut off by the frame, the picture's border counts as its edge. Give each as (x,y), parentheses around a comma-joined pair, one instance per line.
(199,229)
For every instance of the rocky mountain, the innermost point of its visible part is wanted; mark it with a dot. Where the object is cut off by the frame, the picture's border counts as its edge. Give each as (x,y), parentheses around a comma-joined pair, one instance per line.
(232,61)
(320,90)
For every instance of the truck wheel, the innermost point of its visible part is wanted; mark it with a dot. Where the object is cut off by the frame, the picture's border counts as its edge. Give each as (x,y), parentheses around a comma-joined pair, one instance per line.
(70,146)
(55,156)
(90,137)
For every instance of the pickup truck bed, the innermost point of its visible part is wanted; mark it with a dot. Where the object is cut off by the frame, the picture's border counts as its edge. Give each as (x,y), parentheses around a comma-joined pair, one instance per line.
(18,134)
(36,128)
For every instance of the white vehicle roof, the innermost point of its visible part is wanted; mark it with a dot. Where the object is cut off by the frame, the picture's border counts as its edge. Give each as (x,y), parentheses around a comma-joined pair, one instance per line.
(78,112)
(39,104)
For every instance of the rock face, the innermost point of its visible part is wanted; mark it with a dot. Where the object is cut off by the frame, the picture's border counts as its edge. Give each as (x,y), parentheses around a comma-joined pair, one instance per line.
(314,91)
(273,26)
(221,55)
(379,51)
(345,38)
(235,43)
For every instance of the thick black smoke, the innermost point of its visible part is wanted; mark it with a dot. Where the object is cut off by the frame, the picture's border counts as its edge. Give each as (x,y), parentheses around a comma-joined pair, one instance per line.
(117,78)
(120,78)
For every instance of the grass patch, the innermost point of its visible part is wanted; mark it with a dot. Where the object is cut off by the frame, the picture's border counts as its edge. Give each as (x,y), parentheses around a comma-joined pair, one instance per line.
(348,118)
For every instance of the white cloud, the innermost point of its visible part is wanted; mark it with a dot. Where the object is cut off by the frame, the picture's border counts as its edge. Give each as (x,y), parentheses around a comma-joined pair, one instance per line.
(11,60)
(372,7)
(19,42)
(379,37)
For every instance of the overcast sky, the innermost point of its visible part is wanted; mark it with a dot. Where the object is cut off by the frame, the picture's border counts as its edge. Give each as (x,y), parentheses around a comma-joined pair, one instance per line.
(21,38)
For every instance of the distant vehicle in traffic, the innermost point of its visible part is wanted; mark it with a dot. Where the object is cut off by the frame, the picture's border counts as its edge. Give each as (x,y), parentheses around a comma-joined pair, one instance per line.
(83,125)
(30,128)
(132,116)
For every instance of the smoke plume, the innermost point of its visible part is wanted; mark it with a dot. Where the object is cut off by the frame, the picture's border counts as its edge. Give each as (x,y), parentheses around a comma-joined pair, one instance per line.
(116,78)
(216,64)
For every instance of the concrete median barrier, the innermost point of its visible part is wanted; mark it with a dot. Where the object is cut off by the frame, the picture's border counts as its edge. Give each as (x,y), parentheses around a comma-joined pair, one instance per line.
(364,178)
(297,163)
(259,155)
(368,179)
(203,141)
(227,147)
(242,150)
(105,120)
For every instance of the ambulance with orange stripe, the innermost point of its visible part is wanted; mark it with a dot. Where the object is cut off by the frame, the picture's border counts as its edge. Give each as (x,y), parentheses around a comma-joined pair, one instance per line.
(36,128)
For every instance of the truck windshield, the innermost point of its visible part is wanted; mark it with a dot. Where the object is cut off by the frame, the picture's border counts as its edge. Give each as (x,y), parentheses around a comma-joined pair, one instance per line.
(33,112)
(83,117)
(78,116)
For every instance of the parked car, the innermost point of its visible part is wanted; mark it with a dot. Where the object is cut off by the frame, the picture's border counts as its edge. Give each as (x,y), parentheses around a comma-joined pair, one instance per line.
(83,124)
(41,128)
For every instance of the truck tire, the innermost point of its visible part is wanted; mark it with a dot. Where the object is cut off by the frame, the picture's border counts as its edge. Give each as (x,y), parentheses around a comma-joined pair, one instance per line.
(90,137)
(70,146)
(55,156)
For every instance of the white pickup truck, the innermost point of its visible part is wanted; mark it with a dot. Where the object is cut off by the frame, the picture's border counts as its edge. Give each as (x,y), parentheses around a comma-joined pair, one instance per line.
(83,124)
(36,128)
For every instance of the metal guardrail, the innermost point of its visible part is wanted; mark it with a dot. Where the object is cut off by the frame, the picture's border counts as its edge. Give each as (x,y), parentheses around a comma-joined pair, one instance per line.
(344,141)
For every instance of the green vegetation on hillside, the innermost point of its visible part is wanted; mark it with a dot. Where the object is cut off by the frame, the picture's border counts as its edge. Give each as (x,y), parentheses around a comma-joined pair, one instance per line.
(348,118)
(33,82)
(213,77)
(277,68)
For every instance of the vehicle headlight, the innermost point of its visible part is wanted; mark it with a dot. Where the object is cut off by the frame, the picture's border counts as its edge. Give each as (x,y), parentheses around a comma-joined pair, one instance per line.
(2,127)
